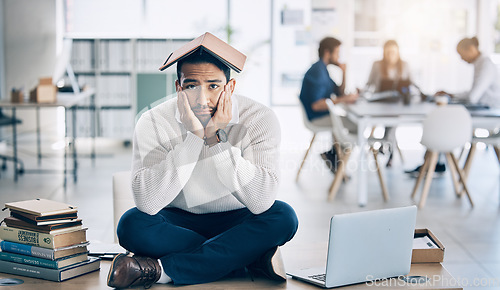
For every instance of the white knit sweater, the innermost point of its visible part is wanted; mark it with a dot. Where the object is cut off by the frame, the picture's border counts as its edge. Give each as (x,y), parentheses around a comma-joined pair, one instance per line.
(174,168)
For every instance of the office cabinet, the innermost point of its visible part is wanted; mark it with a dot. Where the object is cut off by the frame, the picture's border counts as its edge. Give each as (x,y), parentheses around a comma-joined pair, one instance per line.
(125,75)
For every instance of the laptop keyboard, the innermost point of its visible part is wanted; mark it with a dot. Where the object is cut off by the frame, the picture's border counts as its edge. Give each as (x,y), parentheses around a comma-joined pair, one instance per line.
(320,277)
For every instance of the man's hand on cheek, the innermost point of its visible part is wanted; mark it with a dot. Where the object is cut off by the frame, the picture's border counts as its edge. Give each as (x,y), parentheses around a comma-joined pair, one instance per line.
(223,113)
(188,118)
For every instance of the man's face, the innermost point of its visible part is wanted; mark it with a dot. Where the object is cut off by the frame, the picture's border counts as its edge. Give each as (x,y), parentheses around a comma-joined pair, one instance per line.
(335,55)
(203,84)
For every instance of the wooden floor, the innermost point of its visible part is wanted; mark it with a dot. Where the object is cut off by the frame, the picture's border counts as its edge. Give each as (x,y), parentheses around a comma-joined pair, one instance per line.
(471,236)
(441,279)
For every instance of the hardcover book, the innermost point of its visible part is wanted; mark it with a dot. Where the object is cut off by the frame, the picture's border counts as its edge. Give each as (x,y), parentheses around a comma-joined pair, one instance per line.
(53,264)
(43,240)
(49,229)
(213,45)
(44,220)
(58,275)
(44,253)
(41,207)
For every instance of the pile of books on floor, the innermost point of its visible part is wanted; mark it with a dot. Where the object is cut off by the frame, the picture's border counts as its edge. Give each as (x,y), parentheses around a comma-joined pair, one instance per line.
(44,239)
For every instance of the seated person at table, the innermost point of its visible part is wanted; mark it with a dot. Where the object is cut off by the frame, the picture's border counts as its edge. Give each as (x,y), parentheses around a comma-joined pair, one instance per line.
(390,70)
(317,86)
(205,176)
(485,88)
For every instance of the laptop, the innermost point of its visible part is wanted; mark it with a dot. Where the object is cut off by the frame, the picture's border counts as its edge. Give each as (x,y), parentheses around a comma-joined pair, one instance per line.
(469,106)
(387,96)
(389,91)
(394,85)
(365,246)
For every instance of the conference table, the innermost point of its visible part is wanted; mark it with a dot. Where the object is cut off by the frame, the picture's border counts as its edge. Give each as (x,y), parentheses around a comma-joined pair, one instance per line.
(368,114)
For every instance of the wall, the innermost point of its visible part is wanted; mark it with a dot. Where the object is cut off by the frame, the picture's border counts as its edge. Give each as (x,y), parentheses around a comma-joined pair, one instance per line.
(29,49)
(153,18)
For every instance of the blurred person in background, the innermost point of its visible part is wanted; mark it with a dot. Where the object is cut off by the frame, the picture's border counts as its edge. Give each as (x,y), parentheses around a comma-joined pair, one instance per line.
(390,68)
(485,88)
(317,86)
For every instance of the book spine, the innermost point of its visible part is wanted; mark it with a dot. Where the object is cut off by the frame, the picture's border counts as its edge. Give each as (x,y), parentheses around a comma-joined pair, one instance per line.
(29,271)
(27,237)
(28,260)
(27,250)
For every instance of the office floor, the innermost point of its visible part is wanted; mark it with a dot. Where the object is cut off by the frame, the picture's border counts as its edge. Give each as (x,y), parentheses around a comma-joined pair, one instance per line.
(471,236)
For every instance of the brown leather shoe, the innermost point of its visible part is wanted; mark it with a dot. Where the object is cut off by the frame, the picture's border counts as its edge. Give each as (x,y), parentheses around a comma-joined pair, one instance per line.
(132,271)
(269,265)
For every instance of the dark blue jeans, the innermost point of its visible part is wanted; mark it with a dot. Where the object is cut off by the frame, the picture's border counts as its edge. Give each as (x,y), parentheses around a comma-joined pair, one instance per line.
(201,248)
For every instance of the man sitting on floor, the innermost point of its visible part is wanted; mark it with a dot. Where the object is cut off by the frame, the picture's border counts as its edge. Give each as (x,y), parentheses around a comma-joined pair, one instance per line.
(205,179)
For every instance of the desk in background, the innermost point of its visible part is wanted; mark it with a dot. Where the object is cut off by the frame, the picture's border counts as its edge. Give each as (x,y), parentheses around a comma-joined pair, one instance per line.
(368,114)
(70,102)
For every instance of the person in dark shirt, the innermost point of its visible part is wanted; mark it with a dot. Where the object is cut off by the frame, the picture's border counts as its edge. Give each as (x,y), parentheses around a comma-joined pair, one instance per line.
(318,86)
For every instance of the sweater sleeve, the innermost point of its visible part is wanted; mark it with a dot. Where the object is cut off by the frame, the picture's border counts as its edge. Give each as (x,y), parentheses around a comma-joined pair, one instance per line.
(252,173)
(484,75)
(162,165)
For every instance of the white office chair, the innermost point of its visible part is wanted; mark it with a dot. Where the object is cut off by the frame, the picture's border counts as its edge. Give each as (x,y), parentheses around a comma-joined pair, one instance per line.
(123,199)
(313,128)
(444,130)
(344,143)
(492,140)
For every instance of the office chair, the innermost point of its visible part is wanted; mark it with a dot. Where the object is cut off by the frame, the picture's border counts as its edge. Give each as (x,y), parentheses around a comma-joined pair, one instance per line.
(492,140)
(18,164)
(344,143)
(314,129)
(444,130)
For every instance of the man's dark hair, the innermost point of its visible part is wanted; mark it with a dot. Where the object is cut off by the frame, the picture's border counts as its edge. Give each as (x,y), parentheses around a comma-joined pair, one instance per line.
(327,43)
(201,56)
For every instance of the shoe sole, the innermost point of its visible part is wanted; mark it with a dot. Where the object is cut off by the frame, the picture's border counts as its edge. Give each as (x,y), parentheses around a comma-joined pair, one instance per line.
(111,269)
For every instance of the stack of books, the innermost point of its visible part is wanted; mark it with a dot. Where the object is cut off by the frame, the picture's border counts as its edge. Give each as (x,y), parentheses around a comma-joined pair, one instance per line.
(44,239)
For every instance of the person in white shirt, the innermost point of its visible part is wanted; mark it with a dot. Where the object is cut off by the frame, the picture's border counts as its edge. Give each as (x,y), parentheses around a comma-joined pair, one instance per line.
(204,177)
(485,88)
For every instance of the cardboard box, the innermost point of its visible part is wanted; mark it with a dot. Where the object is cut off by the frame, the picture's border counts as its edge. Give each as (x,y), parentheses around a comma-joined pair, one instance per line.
(46,92)
(435,255)
(16,96)
(33,95)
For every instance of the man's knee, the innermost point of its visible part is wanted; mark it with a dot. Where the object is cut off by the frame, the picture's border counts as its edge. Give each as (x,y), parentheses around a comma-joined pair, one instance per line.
(287,221)
(133,225)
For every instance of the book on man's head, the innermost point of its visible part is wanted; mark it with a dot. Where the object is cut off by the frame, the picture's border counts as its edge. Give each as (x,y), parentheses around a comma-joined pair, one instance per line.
(58,275)
(48,229)
(213,45)
(41,207)
(50,241)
